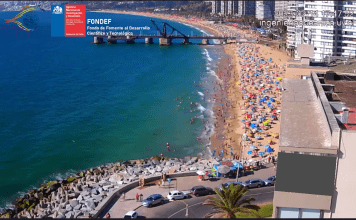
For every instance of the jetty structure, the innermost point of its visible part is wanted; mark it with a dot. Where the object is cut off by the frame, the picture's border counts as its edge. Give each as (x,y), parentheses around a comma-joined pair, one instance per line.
(166,39)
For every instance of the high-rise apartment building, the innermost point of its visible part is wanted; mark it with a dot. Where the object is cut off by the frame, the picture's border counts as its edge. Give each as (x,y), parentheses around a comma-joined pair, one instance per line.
(328,25)
(265,10)
(247,8)
(224,8)
(281,7)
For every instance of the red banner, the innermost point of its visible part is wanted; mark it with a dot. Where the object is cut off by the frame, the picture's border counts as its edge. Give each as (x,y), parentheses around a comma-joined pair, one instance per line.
(74,23)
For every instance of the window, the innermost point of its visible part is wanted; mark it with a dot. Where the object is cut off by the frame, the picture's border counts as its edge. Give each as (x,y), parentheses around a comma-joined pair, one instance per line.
(310,213)
(298,213)
(288,213)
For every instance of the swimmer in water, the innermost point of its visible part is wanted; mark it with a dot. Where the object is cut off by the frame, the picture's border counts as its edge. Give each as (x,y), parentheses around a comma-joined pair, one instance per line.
(168,148)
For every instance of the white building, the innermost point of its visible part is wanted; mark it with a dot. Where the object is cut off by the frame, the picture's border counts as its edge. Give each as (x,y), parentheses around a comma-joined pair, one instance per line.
(247,7)
(280,7)
(328,25)
(265,10)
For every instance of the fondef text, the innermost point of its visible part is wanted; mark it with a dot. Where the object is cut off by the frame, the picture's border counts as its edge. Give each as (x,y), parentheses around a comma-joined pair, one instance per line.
(98,21)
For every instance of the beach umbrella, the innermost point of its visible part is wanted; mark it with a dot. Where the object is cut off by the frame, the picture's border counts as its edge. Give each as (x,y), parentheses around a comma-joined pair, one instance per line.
(200,172)
(249,152)
(261,153)
(223,169)
(258,137)
(222,153)
(253,147)
(213,154)
(266,146)
(231,152)
(269,150)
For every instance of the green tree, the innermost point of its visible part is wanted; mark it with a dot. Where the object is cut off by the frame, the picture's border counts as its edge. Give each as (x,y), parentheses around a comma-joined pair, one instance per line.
(231,203)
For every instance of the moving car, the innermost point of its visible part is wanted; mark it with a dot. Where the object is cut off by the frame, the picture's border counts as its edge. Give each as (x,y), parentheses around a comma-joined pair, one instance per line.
(201,190)
(173,195)
(252,183)
(270,181)
(153,200)
(227,184)
(131,214)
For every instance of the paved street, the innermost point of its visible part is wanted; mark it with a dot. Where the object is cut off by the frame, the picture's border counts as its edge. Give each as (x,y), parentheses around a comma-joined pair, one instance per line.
(196,209)
(121,206)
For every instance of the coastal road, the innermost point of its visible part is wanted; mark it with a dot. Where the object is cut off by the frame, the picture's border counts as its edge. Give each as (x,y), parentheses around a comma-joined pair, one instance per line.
(196,209)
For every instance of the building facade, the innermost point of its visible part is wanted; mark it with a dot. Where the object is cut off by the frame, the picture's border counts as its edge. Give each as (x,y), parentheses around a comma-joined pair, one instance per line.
(265,10)
(281,7)
(247,8)
(314,179)
(328,25)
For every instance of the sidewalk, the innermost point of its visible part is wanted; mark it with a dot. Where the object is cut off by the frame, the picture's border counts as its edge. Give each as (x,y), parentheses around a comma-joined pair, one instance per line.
(122,206)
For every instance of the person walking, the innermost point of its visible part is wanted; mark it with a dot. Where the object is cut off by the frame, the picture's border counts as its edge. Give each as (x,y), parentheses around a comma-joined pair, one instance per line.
(141,197)
(137,197)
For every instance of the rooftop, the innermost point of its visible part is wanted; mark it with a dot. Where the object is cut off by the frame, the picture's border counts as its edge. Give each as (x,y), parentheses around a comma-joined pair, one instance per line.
(303,124)
(345,92)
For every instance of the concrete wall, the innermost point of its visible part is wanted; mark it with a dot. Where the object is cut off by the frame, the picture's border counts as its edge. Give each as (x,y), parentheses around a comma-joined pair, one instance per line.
(329,115)
(344,198)
(117,193)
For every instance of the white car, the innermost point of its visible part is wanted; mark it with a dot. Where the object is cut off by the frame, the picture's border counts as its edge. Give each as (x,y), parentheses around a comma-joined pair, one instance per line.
(175,195)
(131,214)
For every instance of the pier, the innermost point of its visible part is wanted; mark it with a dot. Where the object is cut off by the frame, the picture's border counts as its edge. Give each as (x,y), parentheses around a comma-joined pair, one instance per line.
(165,39)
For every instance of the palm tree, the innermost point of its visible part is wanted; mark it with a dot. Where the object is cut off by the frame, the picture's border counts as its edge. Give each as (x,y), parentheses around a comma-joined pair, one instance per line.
(230,202)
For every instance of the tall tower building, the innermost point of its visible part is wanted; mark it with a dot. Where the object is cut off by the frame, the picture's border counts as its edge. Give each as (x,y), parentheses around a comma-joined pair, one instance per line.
(265,10)
(332,34)
(247,8)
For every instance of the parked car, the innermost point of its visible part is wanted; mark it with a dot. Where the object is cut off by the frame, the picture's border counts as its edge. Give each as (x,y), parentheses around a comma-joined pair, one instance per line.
(227,184)
(131,214)
(174,195)
(270,181)
(201,191)
(252,183)
(153,200)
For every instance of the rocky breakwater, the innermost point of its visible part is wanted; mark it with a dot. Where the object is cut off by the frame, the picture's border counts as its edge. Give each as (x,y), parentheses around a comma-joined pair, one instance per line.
(79,195)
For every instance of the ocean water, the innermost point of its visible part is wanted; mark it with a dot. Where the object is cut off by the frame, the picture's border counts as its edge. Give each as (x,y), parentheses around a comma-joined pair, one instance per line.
(68,105)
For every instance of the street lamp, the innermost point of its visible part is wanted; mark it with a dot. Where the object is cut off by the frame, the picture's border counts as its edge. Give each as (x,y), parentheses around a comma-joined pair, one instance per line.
(238,167)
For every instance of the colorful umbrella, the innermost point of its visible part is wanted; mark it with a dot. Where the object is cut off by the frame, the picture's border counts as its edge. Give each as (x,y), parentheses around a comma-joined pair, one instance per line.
(253,147)
(223,169)
(213,154)
(261,153)
(249,152)
(266,146)
(269,150)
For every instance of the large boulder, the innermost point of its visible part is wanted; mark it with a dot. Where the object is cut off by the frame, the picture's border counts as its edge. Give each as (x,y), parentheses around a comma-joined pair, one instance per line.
(90,204)
(77,213)
(69,207)
(60,216)
(74,202)
(77,207)
(155,161)
(192,168)
(94,191)
(98,198)
(69,215)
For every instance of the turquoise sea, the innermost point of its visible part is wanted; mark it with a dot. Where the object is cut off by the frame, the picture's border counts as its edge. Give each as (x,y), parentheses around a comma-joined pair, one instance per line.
(68,105)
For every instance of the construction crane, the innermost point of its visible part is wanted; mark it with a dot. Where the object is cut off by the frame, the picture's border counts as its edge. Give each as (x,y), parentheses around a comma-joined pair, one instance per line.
(164,32)
(159,30)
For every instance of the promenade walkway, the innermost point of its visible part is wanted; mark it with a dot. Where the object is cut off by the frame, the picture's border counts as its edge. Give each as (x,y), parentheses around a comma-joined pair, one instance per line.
(122,206)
